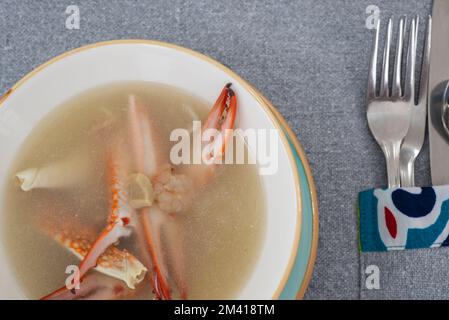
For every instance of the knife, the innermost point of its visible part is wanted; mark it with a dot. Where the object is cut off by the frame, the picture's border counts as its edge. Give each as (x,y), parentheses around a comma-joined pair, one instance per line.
(438,79)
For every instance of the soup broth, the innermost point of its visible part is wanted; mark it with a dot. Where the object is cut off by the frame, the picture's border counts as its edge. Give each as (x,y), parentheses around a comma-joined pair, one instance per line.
(221,229)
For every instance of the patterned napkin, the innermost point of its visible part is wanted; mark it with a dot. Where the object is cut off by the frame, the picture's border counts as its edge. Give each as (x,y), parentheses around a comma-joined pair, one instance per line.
(404,218)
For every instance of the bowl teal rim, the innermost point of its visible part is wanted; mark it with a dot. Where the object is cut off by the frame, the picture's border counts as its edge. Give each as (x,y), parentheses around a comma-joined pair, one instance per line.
(297,276)
(301,272)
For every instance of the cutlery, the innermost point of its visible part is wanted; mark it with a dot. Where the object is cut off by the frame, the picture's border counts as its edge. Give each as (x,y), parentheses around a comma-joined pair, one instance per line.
(389,113)
(445,110)
(438,76)
(413,142)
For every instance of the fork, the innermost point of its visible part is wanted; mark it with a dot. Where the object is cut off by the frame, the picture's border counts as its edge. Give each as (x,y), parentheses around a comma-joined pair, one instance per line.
(388,113)
(413,142)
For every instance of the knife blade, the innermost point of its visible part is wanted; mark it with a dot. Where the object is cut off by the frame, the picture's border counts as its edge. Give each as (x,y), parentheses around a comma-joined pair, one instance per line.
(438,79)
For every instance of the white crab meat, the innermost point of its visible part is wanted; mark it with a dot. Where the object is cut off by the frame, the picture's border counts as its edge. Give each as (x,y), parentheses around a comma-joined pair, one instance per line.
(119,264)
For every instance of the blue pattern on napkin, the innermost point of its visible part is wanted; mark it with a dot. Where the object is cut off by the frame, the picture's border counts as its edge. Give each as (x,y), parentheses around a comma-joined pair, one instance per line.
(404,218)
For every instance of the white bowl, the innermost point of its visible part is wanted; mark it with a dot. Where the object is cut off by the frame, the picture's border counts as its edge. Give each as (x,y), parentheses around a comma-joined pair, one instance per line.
(79,70)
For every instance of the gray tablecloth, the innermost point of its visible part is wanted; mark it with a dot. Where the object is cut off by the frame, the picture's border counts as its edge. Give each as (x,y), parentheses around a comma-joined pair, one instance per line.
(310,58)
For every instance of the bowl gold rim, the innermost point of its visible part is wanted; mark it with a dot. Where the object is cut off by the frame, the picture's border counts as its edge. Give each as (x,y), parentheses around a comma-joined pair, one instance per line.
(262,101)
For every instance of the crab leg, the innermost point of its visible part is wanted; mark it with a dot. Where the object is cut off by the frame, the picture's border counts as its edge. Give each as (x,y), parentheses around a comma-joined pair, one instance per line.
(118,221)
(174,247)
(221,118)
(146,161)
(145,154)
(115,263)
(152,220)
(95,287)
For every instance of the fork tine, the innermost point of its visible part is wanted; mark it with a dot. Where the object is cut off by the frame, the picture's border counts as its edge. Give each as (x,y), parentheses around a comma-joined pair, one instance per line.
(397,89)
(373,65)
(384,90)
(409,90)
(424,81)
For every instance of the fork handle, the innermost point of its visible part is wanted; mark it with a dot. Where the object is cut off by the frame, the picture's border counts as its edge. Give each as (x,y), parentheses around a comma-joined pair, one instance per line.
(407,171)
(407,175)
(391,152)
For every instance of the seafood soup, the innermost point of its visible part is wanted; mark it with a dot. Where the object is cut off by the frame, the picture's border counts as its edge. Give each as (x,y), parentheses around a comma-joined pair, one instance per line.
(95,209)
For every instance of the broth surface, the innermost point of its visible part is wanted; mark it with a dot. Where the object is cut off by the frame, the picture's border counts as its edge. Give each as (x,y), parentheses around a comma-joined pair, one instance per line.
(222,230)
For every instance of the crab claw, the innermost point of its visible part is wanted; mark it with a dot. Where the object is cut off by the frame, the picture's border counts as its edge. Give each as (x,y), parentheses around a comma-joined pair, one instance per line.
(119,220)
(222,118)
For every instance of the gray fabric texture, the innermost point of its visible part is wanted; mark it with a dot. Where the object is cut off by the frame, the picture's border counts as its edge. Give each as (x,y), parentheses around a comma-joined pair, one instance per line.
(310,58)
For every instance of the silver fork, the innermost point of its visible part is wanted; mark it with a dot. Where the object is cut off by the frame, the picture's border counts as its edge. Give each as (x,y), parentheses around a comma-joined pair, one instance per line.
(389,114)
(413,142)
